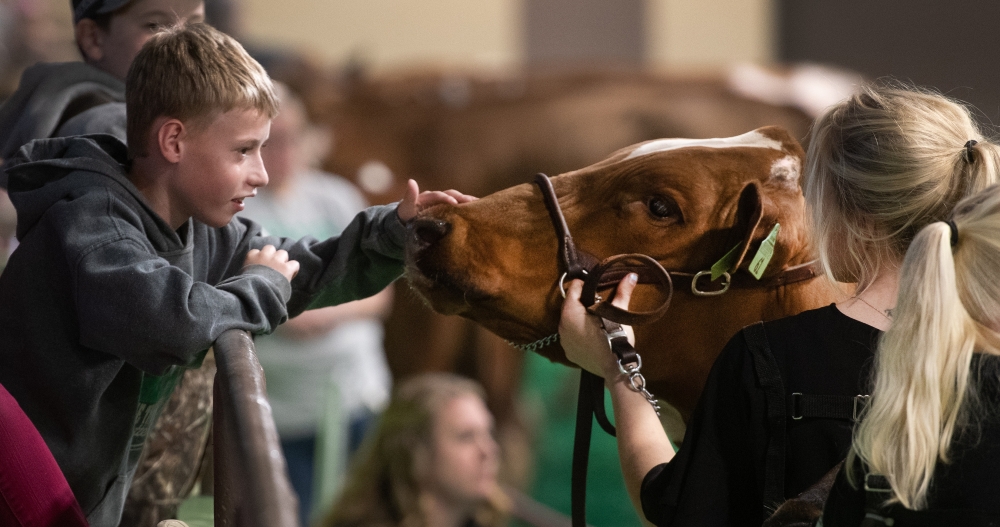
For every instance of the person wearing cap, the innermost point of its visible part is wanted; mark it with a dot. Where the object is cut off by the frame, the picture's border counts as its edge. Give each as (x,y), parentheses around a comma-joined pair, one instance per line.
(76,98)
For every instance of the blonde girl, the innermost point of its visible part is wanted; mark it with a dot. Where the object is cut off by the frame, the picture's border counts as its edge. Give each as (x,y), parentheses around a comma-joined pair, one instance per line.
(932,430)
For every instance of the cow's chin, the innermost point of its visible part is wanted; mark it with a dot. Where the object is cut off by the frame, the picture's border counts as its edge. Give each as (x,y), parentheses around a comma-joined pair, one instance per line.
(449,294)
(443,292)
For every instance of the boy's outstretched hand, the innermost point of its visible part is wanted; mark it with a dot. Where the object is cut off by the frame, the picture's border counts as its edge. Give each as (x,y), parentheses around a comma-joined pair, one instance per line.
(275,259)
(414,201)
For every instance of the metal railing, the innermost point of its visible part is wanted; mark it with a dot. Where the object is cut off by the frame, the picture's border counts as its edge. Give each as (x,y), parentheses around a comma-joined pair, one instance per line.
(251,478)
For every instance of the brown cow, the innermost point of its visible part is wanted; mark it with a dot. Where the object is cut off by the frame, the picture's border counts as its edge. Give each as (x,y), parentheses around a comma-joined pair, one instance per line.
(685,203)
(481,133)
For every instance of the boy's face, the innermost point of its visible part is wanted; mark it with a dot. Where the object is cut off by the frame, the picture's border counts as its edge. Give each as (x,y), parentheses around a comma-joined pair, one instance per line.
(130,28)
(220,165)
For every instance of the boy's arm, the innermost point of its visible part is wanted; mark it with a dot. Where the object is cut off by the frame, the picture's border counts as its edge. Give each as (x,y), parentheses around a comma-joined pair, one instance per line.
(136,305)
(363,260)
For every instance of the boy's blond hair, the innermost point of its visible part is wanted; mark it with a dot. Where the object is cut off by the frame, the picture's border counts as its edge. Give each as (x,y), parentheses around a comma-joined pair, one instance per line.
(192,73)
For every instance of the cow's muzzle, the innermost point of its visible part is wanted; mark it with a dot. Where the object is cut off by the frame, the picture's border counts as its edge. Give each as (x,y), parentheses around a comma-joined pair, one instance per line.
(425,232)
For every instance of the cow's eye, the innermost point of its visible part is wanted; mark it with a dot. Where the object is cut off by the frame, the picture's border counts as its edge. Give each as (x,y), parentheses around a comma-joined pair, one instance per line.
(663,208)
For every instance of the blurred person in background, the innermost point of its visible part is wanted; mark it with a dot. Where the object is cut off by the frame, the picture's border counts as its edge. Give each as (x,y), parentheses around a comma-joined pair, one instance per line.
(432,461)
(74,98)
(339,347)
(30,31)
(58,99)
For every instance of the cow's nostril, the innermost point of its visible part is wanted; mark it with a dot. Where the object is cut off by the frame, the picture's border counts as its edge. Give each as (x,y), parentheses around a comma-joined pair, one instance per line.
(429,230)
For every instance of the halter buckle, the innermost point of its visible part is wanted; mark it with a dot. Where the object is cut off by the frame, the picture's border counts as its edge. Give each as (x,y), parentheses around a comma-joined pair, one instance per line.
(699,292)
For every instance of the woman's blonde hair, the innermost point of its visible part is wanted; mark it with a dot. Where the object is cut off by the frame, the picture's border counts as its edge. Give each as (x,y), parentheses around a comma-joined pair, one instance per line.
(882,165)
(949,307)
(382,487)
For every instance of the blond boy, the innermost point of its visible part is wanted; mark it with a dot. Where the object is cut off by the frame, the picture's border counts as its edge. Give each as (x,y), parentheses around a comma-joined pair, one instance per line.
(131,264)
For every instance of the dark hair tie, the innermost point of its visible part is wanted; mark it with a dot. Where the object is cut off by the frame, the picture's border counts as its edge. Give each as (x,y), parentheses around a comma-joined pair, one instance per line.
(968,149)
(954,232)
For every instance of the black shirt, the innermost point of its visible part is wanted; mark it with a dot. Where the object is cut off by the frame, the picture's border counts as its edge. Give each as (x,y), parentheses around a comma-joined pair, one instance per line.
(963,492)
(717,476)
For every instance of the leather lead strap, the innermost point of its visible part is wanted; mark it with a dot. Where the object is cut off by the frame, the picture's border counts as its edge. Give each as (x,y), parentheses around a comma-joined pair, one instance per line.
(649,271)
(589,384)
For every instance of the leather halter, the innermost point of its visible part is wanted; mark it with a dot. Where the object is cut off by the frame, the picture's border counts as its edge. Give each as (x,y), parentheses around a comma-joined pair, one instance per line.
(599,275)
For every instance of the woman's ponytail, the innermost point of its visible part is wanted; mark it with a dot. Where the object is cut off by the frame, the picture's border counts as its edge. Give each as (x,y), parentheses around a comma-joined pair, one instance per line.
(948,307)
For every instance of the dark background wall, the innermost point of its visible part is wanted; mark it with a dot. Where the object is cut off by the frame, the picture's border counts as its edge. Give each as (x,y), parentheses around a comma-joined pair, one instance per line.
(951,45)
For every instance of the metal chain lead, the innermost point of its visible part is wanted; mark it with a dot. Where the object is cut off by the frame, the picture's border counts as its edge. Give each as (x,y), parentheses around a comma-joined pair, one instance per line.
(637,382)
(536,345)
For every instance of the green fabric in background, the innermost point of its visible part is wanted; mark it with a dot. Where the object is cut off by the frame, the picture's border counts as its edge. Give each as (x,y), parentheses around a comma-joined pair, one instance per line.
(197,511)
(549,394)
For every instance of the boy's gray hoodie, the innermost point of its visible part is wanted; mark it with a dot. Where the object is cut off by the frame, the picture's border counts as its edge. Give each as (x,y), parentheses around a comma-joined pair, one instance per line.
(102,303)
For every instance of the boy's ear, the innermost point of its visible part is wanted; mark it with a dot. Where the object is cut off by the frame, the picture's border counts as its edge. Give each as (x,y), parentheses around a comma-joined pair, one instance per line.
(169,137)
(90,40)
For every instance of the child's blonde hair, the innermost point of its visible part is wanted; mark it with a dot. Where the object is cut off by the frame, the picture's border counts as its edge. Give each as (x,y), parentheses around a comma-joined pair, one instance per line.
(192,73)
(882,165)
(949,307)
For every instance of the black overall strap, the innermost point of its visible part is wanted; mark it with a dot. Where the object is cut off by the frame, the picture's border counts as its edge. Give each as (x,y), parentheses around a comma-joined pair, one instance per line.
(877,491)
(769,378)
(880,514)
(846,407)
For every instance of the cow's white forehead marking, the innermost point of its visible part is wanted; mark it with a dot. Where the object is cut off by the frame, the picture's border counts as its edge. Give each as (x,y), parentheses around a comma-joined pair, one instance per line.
(753,139)
(786,170)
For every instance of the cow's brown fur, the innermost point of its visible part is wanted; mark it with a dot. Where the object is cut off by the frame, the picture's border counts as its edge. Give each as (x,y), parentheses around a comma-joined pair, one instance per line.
(804,509)
(497,264)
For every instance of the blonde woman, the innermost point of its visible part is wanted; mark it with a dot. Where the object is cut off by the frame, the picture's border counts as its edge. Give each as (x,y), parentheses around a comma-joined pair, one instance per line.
(881,165)
(933,428)
(431,461)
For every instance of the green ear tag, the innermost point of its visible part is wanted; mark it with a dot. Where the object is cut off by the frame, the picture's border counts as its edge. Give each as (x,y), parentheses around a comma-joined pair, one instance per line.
(764,254)
(725,263)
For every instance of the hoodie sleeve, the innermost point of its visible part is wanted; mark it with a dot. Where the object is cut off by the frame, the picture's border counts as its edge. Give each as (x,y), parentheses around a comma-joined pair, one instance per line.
(136,305)
(363,260)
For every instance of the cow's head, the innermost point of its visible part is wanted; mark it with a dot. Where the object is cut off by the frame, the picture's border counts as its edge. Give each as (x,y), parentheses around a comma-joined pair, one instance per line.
(686,203)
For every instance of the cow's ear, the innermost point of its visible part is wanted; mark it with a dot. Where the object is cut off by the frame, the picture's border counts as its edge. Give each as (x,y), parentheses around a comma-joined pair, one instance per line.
(750,213)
